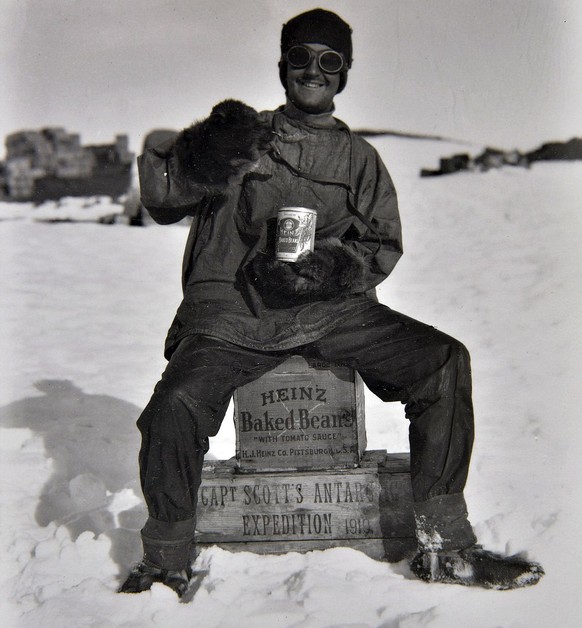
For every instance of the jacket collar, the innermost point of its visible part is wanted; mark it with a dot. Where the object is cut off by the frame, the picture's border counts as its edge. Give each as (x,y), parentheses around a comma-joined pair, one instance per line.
(314,120)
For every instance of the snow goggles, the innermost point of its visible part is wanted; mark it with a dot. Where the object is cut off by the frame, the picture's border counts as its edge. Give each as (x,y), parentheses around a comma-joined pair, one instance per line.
(329,61)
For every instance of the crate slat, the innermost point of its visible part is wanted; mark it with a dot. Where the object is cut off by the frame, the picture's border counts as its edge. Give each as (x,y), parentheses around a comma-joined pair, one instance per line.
(311,509)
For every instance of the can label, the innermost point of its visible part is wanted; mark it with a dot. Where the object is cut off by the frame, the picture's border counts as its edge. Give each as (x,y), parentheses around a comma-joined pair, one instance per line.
(295,232)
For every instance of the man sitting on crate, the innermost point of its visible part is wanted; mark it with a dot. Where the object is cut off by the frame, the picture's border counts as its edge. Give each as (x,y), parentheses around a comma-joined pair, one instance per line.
(244,312)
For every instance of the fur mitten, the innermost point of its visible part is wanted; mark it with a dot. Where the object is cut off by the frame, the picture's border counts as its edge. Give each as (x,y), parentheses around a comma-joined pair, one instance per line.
(331,270)
(223,146)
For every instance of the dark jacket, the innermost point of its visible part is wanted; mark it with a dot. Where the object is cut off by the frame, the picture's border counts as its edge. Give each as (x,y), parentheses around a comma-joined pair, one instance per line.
(310,161)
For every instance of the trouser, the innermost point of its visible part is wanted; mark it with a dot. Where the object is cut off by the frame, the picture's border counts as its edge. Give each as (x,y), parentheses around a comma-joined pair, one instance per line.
(399,359)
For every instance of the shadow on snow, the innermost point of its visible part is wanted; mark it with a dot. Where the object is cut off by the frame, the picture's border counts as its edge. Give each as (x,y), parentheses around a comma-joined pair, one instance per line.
(93,443)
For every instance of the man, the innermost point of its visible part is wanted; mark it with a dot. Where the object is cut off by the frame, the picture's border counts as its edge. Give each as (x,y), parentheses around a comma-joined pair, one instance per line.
(231,173)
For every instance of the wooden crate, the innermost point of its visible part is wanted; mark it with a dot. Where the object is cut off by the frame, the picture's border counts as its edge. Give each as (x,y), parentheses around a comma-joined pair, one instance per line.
(303,415)
(368,508)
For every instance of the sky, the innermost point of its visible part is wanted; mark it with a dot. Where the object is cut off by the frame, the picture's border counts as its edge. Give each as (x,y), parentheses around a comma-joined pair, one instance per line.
(503,73)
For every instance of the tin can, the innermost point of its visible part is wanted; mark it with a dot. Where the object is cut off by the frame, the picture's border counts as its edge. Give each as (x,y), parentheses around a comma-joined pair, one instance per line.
(295,232)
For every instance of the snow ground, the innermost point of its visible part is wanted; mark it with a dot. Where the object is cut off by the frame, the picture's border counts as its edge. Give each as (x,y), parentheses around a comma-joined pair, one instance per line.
(491,258)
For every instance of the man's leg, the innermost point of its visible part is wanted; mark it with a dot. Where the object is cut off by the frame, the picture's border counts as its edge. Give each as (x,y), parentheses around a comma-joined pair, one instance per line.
(401,359)
(186,408)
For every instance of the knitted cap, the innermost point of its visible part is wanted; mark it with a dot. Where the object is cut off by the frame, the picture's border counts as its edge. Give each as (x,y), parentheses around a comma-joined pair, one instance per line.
(317,27)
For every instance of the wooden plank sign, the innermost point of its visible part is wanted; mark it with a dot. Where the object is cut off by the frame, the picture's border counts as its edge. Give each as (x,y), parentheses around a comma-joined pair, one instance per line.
(281,511)
(301,415)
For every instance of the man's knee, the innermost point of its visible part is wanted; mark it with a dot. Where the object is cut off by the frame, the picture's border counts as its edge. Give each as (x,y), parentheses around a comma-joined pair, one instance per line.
(185,406)
(459,352)
(173,389)
(170,403)
(448,348)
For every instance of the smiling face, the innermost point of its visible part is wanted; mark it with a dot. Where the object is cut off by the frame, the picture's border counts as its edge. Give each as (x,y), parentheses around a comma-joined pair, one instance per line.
(309,88)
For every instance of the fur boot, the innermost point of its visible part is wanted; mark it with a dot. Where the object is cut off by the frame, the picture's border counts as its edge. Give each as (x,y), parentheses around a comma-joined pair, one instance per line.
(476,566)
(144,574)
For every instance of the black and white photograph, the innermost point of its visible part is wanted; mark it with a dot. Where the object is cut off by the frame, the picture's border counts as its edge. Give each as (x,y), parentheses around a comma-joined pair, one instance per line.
(290,313)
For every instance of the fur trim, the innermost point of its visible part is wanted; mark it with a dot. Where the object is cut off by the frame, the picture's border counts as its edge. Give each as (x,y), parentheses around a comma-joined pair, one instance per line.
(332,270)
(223,146)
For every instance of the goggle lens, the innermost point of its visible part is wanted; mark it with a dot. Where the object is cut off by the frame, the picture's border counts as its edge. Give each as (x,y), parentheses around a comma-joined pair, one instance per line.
(329,61)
